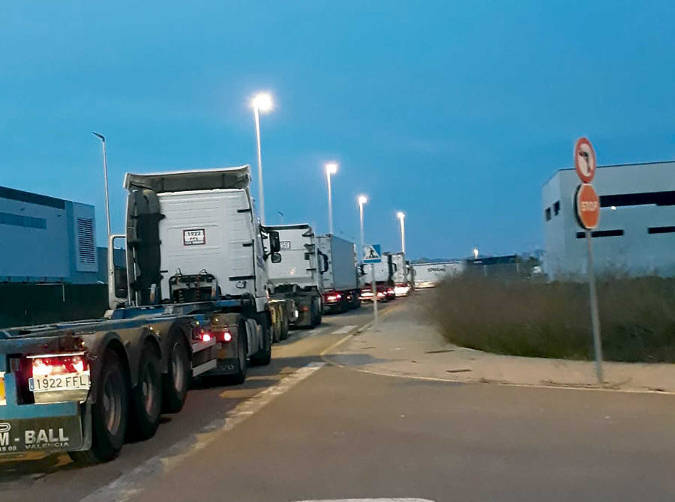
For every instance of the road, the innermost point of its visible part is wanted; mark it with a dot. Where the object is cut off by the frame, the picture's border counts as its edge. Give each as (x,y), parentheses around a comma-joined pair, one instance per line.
(302,429)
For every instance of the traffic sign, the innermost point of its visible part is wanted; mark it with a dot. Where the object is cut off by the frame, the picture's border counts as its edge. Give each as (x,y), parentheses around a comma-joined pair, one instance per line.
(587,205)
(584,160)
(372,253)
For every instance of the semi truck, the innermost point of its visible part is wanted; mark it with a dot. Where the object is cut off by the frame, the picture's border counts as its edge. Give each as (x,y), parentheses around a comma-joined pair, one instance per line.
(384,278)
(428,275)
(341,290)
(194,302)
(400,276)
(298,276)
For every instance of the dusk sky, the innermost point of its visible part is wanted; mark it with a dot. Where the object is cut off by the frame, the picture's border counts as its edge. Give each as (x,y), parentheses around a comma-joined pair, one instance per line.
(454,112)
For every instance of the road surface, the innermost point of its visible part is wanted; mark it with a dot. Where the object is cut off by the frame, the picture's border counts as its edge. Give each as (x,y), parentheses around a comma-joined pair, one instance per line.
(303,429)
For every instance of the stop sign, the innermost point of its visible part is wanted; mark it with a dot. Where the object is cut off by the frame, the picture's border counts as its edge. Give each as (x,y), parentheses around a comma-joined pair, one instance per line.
(587,205)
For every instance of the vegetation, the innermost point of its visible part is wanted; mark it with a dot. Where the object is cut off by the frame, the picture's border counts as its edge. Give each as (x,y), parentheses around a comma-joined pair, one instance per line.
(533,318)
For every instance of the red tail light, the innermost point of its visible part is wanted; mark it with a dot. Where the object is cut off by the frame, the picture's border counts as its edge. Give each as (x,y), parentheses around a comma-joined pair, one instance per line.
(58,365)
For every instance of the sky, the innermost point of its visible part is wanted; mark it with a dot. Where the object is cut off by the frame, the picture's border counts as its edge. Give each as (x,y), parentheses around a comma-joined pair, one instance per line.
(454,112)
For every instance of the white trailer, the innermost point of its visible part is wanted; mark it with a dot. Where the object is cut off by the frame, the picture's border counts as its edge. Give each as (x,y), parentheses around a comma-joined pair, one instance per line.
(298,276)
(400,275)
(340,276)
(384,277)
(428,275)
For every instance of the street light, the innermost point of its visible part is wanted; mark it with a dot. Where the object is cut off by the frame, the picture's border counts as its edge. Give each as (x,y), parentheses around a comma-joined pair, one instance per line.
(362,199)
(261,102)
(475,253)
(331,168)
(105,180)
(401,218)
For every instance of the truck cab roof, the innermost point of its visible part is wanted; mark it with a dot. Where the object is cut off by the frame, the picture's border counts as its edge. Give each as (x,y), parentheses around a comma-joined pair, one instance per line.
(187,181)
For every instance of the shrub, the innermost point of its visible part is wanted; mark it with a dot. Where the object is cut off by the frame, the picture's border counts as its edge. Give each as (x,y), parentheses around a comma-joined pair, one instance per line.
(531,318)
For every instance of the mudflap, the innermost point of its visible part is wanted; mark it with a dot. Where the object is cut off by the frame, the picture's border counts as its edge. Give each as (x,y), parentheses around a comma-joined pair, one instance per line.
(42,434)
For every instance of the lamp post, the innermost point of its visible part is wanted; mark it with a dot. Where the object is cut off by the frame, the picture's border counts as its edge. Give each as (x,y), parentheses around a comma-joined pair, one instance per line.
(331,168)
(261,102)
(401,218)
(362,199)
(105,180)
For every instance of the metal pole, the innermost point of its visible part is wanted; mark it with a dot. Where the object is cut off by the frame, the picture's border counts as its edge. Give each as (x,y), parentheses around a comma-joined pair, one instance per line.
(595,317)
(374,287)
(330,204)
(361,220)
(403,234)
(261,195)
(105,179)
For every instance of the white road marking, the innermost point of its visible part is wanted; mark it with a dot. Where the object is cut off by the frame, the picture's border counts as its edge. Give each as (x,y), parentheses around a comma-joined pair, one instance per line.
(343,330)
(368,500)
(132,483)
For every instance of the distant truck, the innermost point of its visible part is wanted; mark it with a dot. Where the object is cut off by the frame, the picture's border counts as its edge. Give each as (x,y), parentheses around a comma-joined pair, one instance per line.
(298,276)
(400,276)
(194,302)
(428,275)
(384,278)
(340,275)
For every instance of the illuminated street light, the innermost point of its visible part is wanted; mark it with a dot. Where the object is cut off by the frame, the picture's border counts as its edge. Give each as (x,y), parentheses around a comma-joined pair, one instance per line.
(401,218)
(475,253)
(362,199)
(261,102)
(331,168)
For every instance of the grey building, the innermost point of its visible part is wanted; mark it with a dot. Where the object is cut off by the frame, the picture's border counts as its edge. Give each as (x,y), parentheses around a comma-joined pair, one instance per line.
(45,239)
(636,233)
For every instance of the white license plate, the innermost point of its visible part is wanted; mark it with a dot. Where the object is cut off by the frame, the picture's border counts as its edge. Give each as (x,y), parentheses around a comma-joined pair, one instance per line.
(55,383)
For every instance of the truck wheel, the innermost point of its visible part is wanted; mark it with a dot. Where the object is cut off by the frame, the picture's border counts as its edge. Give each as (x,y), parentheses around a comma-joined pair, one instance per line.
(284,328)
(109,414)
(146,398)
(176,382)
(242,357)
(317,312)
(264,356)
(276,330)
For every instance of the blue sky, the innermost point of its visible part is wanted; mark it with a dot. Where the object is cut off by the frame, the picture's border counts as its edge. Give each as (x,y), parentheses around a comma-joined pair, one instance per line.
(455,112)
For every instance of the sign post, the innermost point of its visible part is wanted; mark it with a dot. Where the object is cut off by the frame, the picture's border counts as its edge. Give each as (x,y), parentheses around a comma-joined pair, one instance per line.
(587,204)
(373,254)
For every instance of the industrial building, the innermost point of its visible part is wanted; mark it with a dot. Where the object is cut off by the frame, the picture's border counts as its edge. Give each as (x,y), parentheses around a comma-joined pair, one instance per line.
(636,233)
(46,240)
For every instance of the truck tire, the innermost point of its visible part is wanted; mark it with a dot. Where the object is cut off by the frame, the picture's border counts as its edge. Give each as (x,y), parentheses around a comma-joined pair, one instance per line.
(146,397)
(242,356)
(316,306)
(264,355)
(109,415)
(276,328)
(284,328)
(176,382)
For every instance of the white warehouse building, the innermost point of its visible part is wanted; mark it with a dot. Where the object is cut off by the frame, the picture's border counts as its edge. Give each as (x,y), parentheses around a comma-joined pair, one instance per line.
(636,233)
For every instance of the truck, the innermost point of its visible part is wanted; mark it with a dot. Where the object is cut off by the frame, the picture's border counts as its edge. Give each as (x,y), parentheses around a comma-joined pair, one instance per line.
(428,275)
(298,276)
(400,276)
(384,278)
(194,301)
(341,290)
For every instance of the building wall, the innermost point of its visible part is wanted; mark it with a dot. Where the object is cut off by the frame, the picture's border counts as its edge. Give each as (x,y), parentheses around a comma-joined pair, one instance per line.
(623,241)
(45,239)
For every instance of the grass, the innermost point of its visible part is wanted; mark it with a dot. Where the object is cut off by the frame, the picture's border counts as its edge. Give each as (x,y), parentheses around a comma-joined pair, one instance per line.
(530,318)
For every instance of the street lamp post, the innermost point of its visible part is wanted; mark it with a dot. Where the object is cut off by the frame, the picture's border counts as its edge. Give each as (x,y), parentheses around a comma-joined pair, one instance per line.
(362,199)
(105,180)
(331,168)
(401,218)
(261,102)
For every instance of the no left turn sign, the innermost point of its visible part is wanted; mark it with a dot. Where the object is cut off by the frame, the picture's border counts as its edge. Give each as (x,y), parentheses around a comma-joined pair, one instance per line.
(584,160)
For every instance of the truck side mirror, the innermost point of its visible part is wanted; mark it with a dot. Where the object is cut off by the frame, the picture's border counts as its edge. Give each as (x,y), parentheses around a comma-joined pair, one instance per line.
(276,257)
(325,263)
(118,291)
(275,245)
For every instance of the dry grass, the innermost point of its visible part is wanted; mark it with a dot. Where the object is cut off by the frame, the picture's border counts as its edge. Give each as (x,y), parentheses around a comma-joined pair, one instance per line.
(527,318)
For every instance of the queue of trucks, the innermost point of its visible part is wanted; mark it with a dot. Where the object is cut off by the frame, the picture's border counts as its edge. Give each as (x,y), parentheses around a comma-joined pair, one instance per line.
(207,290)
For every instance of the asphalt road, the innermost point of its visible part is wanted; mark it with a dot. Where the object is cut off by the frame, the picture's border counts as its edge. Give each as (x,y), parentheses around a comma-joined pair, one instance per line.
(301,429)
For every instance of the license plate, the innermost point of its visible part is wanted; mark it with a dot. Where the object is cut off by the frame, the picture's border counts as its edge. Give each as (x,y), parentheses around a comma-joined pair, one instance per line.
(54,383)
(285,245)
(40,434)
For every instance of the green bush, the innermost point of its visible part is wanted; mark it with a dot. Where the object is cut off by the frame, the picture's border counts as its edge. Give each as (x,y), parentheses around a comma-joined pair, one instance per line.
(531,318)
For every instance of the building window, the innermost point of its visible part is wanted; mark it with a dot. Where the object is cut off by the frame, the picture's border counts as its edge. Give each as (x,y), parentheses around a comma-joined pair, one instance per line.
(556,208)
(661,230)
(547,214)
(601,233)
(22,221)
(85,240)
(666,198)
